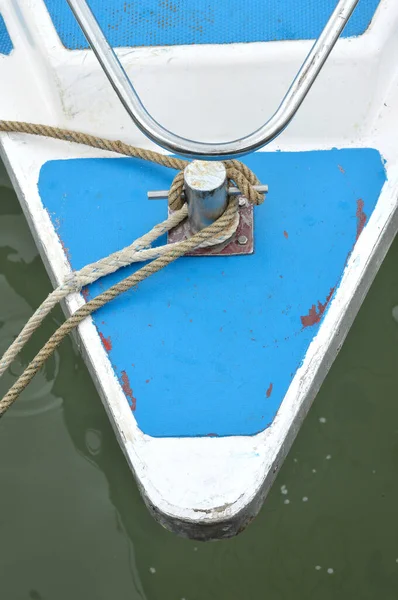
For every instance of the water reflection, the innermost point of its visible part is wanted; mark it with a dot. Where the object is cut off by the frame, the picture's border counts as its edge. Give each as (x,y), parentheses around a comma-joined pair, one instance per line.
(22,283)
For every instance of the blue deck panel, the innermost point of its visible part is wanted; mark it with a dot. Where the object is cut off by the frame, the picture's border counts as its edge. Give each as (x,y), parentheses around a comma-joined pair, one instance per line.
(5,40)
(175,22)
(209,346)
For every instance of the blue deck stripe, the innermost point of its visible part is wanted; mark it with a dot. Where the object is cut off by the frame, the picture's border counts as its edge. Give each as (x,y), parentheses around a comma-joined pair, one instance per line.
(175,22)
(210,345)
(5,40)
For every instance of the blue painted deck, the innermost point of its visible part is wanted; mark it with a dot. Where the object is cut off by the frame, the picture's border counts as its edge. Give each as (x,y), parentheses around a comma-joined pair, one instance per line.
(175,22)
(210,345)
(5,40)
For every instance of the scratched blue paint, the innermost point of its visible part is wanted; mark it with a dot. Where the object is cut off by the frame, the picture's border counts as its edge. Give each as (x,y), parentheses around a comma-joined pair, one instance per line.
(202,341)
(174,22)
(5,40)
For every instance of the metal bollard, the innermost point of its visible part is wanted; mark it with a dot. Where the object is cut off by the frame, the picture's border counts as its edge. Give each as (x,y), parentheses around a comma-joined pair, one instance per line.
(206,192)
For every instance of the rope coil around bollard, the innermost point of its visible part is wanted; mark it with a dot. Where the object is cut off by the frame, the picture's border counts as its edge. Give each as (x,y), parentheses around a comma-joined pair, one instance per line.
(138,251)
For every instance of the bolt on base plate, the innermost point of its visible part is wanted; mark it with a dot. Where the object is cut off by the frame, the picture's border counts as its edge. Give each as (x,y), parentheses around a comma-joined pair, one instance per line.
(240,243)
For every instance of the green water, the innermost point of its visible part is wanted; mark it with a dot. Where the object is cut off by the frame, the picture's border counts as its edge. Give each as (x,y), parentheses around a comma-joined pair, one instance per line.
(72,523)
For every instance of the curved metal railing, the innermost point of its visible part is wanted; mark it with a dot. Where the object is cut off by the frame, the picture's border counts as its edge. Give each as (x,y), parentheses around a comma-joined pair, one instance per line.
(191,148)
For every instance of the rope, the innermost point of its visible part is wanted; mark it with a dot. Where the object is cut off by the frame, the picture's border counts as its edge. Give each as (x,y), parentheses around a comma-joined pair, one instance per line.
(170,255)
(243,177)
(139,250)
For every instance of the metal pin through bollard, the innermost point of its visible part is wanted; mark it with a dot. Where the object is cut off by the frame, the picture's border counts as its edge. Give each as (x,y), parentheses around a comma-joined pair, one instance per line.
(232,191)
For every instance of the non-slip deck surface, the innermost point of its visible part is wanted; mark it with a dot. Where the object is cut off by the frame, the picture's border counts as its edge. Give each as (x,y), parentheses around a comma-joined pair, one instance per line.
(175,22)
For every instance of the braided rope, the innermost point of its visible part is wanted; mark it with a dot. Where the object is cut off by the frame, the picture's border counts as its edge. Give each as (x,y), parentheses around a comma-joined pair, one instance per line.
(139,250)
(238,172)
(172,253)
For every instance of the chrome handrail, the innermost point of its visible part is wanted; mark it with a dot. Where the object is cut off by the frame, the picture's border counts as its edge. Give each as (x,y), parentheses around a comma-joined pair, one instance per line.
(183,146)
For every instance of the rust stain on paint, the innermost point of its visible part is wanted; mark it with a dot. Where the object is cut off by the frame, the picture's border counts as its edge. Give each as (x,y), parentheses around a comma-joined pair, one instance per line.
(285,233)
(315,313)
(128,391)
(106,342)
(85,293)
(65,249)
(269,391)
(341,169)
(361,217)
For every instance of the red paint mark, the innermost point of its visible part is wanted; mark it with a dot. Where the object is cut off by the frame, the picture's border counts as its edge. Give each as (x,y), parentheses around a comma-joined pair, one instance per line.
(212,435)
(65,249)
(128,391)
(106,342)
(85,294)
(361,217)
(285,233)
(269,391)
(147,380)
(340,168)
(315,314)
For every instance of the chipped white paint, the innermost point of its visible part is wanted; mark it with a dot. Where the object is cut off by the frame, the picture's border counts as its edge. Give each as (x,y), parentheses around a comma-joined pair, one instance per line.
(189,483)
